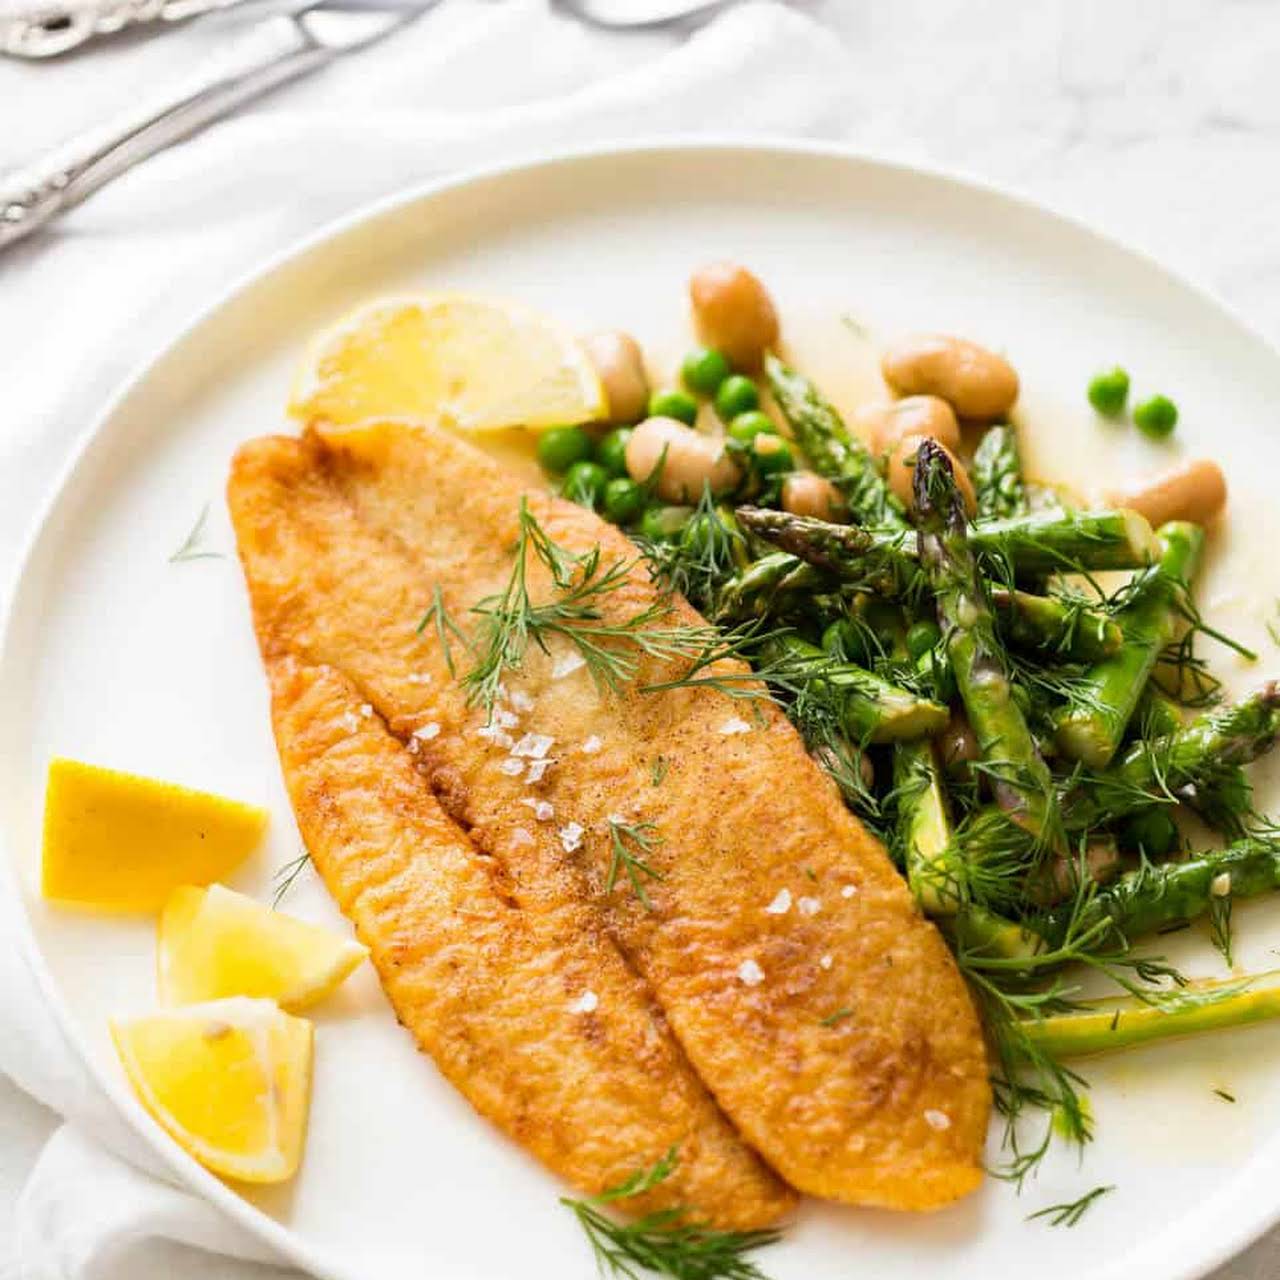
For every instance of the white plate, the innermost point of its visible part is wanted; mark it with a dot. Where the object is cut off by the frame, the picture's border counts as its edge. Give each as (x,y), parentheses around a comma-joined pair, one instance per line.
(114,655)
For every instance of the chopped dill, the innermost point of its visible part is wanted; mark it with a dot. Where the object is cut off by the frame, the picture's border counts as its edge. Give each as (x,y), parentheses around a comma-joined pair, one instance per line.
(1225,1096)
(438,616)
(631,844)
(285,877)
(658,771)
(191,548)
(666,1242)
(839,1016)
(1067,1215)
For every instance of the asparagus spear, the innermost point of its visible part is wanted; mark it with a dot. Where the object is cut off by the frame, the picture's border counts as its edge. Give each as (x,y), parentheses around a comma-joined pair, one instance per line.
(1123,1022)
(831,449)
(1071,630)
(997,475)
(1033,544)
(1091,728)
(1154,897)
(754,592)
(868,559)
(1021,781)
(870,709)
(1053,541)
(924,835)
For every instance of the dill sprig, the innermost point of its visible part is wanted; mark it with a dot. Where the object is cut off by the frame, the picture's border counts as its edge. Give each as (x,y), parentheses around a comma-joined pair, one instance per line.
(446,629)
(1067,1215)
(709,551)
(630,846)
(510,621)
(285,877)
(667,1242)
(191,548)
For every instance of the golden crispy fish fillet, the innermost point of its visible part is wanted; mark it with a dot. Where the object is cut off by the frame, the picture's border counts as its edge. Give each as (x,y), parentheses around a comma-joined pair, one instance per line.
(527,1010)
(822,1011)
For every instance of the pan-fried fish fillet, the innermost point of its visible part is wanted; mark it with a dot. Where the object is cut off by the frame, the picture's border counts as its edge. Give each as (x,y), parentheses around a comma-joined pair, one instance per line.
(526,1009)
(823,1012)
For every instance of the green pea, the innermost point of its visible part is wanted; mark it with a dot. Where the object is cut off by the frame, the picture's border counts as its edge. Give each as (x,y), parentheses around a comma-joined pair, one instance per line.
(679,405)
(737,394)
(772,454)
(623,500)
(1108,391)
(746,426)
(703,370)
(922,637)
(560,447)
(662,524)
(584,483)
(1156,417)
(1153,832)
(611,452)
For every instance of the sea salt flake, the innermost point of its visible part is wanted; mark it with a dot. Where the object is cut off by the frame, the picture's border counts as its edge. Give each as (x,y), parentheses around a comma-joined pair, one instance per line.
(566,664)
(520,836)
(825,963)
(533,745)
(505,719)
(587,1002)
(349,721)
(590,745)
(543,810)
(735,725)
(571,836)
(750,974)
(511,767)
(809,906)
(499,737)
(413,746)
(848,891)
(427,732)
(536,770)
(521,701)
(938,1120)
(1220,885)
(366,710)
(419,677)
(781,904)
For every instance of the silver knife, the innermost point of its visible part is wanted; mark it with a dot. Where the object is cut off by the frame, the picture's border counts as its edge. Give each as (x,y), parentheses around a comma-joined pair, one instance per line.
(268,54)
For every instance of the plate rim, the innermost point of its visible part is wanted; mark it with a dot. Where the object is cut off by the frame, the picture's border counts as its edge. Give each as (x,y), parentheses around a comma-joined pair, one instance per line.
(290,1246)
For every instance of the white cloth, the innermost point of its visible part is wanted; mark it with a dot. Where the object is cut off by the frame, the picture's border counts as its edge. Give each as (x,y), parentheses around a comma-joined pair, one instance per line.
(471,83)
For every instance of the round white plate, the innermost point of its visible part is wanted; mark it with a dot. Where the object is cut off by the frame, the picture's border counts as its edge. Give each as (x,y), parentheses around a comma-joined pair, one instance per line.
(115,655)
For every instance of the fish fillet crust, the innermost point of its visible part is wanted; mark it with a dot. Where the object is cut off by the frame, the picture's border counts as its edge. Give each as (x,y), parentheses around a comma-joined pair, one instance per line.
(821,1010)
(494,992)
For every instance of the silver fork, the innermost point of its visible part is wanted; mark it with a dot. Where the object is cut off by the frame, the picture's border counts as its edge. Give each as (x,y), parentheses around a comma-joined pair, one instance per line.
(268,54)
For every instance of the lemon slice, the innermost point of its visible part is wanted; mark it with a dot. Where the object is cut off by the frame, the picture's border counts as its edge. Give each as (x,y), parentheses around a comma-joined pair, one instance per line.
(216,943)
(229,1081)
(462,362)
(121,842)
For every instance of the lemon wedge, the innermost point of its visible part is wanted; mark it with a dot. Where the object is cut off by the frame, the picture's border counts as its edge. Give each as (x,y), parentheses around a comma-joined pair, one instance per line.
(469,363)
(229,1081)
(122,842)
(215,943)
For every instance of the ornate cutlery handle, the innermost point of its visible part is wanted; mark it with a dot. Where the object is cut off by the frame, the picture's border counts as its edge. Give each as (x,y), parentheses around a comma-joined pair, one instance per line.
(274,51)
(54,27)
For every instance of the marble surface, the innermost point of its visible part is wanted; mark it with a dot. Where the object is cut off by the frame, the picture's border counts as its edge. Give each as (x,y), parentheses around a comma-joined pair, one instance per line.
(1157,120)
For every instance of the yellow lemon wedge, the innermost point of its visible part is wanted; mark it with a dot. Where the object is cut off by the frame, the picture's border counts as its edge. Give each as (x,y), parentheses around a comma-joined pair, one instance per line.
(229,1081)
(215,943)
(121,842)
(469,363)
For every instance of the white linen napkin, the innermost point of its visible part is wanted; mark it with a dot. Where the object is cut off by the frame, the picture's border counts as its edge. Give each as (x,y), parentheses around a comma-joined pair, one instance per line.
(473,82)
